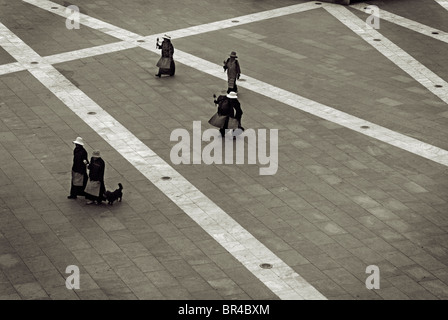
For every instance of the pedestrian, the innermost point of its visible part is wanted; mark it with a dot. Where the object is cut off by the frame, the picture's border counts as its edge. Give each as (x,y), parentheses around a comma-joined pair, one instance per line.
(166,62)
(79,172)
(95,188)
(229,113)
(232,66)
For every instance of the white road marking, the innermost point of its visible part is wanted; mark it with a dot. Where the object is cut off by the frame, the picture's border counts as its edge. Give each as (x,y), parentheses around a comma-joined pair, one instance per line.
(407,23)
(125,35)
(281,279)
(443,3)
(325,112)
(395,54)
(415,69)
(215,221)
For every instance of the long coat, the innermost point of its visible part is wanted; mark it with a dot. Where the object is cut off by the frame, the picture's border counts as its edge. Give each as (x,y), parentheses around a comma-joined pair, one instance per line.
(166,62)
(79,155)
(96,173)
(233,71)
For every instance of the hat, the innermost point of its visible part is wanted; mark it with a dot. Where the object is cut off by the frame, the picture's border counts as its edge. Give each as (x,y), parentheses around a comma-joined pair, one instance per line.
(165,36)
(232,95)
(96,154)
(79,141)
(233,54)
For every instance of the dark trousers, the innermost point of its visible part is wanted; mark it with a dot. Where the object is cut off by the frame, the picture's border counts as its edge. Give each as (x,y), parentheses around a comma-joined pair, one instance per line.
(223,129)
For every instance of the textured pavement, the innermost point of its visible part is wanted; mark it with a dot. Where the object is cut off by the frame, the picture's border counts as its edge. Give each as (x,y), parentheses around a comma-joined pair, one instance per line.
(339,202)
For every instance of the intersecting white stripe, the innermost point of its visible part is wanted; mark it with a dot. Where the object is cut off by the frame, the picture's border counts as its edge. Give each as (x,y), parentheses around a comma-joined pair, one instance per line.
(281,280)
(402,59)
(190,31)
(407,23)
(325,112)
(375,131)
(443,3)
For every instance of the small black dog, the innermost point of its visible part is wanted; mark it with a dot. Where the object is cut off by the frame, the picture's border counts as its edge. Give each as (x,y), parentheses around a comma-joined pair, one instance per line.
(115,195)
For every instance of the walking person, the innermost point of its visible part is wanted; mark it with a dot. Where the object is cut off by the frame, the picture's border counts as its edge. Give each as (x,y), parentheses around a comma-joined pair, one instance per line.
(229,113)
(166,62)
(232,66)
(79,172)
(95,188)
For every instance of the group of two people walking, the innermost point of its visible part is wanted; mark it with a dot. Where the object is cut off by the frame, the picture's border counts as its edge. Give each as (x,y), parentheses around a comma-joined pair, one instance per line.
(90,185)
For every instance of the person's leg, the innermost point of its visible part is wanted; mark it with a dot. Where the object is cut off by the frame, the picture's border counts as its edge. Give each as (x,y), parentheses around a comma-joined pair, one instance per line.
(73,192)
(172,68)
(224,128)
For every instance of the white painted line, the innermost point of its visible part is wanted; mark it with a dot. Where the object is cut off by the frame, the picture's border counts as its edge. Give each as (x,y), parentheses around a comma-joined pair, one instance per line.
(375,131)
(407,23)
(325,112)
(395,54)
(190,31)
(86,20)
(281,280)
(11,68)
(443,3)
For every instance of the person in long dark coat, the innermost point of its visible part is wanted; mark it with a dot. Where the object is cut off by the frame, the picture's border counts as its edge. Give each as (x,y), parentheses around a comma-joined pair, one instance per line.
(166,62)
(229,106)
(79,172)
(232,66)
(96,173)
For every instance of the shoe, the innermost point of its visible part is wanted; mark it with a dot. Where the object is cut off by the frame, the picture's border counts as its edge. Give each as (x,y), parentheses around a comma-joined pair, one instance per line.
(90,202)
(158,75)
(71,197)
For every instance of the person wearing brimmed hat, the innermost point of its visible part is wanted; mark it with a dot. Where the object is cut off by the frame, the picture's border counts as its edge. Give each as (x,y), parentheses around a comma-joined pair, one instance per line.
(166,62)
(79,172)
(232,66)
(229,113)
(95,188)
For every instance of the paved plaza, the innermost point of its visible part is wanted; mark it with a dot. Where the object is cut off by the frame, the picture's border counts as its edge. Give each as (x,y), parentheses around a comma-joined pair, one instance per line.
(353,120)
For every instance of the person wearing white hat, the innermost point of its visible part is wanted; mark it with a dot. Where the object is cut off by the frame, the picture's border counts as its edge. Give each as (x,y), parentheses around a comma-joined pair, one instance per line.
(95,188)
(232,66)
(229,113)
(79,172)
(166,62)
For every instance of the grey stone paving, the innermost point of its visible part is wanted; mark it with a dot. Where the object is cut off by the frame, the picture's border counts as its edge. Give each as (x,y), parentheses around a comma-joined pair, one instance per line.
(339,202)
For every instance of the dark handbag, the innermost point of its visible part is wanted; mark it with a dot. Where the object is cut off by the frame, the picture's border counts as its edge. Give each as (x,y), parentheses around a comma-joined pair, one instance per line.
(217,120)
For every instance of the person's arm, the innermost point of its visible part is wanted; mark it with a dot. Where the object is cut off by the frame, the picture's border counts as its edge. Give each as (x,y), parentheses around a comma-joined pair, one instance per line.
(238,69)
